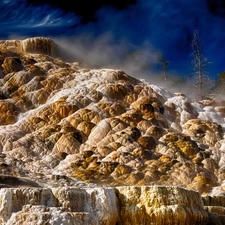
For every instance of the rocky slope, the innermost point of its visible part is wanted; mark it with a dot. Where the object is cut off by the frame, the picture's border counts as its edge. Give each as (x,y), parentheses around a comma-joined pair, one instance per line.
(65,125)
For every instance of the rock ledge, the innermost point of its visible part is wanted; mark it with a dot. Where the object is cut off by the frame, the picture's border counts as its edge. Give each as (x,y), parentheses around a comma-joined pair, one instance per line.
(125,205)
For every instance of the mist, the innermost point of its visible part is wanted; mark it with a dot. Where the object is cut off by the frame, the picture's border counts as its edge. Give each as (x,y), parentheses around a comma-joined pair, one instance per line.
(104,51)
(167,25)
(145,29)
(128,39)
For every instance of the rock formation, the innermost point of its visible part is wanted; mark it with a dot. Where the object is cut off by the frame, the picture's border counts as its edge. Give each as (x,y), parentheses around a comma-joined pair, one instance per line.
(31,45)
(160,205)
(122,205)
(62,125)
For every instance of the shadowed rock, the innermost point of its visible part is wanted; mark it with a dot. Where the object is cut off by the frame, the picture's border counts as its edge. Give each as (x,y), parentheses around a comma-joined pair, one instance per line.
(12,181)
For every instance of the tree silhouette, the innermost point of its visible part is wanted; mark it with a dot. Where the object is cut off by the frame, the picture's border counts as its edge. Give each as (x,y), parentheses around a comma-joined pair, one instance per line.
(164,64)
(200,64)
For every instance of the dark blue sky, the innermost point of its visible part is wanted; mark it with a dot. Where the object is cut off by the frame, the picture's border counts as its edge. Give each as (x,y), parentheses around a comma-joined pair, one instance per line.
(148,25)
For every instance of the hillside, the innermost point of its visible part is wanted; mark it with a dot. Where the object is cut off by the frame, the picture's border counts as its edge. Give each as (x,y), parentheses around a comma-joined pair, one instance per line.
(62,125)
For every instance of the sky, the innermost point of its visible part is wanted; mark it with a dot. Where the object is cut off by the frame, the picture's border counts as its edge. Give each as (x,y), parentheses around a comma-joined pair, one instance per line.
(147,27)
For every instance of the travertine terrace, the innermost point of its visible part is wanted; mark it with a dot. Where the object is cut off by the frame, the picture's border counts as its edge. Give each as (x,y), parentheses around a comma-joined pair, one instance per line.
(66,127)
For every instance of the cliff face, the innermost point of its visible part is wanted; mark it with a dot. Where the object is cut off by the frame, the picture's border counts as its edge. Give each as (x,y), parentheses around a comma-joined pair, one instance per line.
(109,206)
(58,206)
(30,45)
(160,205)
(62,125)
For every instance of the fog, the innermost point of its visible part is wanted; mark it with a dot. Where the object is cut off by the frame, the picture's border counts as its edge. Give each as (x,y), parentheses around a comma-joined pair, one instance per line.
(141,62)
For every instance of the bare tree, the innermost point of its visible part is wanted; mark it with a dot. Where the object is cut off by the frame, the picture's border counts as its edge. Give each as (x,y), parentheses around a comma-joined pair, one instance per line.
(164,64)
(200,64)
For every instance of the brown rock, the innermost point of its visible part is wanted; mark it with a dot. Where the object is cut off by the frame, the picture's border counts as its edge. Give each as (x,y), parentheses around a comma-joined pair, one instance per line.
(203,183)
(134,178)
(85,127)
(8,112)
(121,170)
(39,45)
(148,142)
(116,91)
(155,131)
(64,108)
(207,131)
(68,143)
(11,64)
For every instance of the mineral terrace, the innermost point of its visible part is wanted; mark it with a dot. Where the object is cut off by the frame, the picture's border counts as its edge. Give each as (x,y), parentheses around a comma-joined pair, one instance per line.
(97,146)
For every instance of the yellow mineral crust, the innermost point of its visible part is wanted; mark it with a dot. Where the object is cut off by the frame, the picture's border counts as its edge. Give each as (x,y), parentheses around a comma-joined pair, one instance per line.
(125,205)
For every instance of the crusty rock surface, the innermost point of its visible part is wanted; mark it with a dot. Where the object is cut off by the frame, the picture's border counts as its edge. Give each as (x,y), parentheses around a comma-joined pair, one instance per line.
(128,205)
(102,126)
(30,45)
(160,205)
(65,125)
(58,206)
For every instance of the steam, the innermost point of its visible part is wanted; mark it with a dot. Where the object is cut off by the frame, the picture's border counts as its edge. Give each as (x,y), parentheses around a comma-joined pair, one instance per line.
(104,51)
(167,25)
(142,31)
